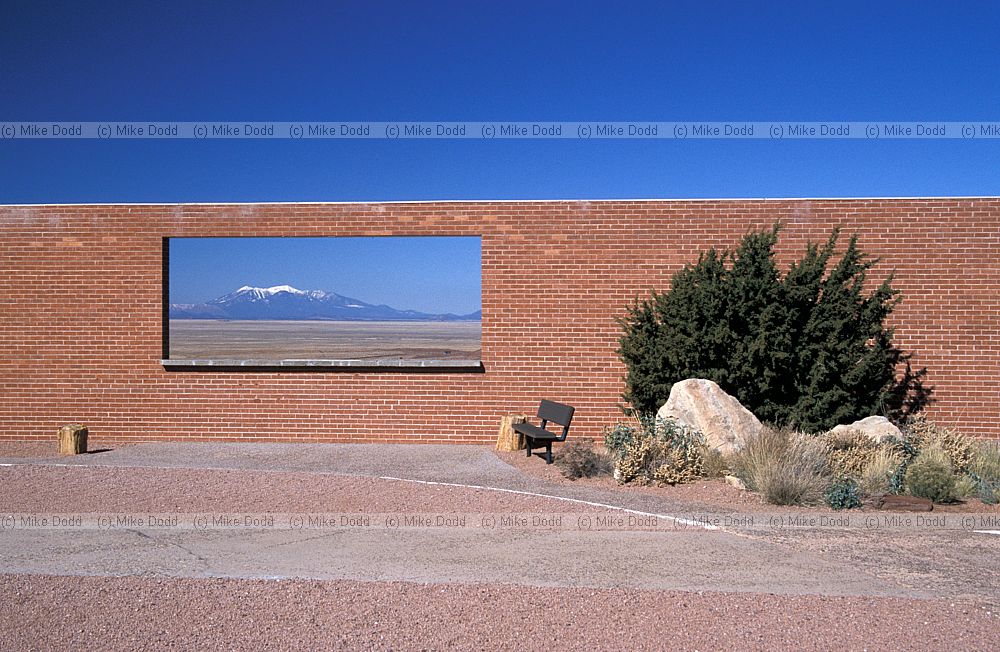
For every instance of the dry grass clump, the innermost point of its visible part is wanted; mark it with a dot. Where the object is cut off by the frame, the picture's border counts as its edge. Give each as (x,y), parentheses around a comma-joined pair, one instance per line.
(985,470)
(760,454)
(987,461)
(930,475)
(877,474)
(850,452)
(923,433)
(578,459)
(785,467)
(716,464)
(966,487)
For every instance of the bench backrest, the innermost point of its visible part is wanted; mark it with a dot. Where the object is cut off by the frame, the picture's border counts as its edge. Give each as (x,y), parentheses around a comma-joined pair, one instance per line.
(555,412)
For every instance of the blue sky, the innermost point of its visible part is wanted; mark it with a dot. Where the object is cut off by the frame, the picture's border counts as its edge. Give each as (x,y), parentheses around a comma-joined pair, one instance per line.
(430,274)
(508,61)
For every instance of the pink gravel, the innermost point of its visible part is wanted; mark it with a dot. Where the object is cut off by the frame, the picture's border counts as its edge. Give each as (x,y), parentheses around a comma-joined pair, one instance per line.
(35,489)
(711,494)
(134,613)
(80,612)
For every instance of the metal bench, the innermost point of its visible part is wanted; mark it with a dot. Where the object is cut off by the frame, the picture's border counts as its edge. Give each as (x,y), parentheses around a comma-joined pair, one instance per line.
(538,436)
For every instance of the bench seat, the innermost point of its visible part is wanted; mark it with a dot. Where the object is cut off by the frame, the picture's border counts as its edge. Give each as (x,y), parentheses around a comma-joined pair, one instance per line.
(539,437)
(529,430)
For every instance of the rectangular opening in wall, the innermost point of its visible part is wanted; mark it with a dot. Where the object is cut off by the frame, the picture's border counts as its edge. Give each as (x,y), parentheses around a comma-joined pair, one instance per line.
(323,302)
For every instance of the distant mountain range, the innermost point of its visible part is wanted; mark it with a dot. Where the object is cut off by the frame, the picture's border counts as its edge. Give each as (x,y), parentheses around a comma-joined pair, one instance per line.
(283,302)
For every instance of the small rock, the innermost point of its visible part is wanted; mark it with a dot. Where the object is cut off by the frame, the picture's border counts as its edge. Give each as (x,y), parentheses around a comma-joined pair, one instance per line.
(733,481)
(905,503)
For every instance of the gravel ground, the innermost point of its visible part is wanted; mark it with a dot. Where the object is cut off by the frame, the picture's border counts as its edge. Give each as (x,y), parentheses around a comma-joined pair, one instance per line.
(96,489)
(33,449)
(954,564)
(443,462)
(624,555)
(708,494)
(442,608)
(133,613)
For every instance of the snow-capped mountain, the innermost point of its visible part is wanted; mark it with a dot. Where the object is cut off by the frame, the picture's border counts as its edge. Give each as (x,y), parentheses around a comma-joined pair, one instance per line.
(283,302)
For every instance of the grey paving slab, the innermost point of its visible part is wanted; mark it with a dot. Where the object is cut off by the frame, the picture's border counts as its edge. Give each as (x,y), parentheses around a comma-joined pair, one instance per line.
(654,560)
(440,462)
(828,562)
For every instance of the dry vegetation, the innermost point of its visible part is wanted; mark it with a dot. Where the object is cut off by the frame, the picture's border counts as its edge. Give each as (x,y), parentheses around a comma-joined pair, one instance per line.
(206,339)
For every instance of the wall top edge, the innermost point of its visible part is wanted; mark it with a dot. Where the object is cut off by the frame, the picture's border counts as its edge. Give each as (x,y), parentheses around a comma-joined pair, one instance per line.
(515,201)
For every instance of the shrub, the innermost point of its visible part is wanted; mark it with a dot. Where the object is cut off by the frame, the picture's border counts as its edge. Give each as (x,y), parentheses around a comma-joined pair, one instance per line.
(635,461)
(785,467)
(985,471)
(907,452)
(918,430)
(877,475)
(655,449)
(808,349)
(923,433)
(930,475)
(966,487)
(850,452)
(987,460)
(578,459)
(679,464)
(715,464)
(989,494)
(843,494)
(618,438)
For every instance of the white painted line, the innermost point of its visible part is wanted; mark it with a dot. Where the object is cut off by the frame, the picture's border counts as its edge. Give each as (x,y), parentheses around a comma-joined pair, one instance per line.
(48,464)
(166,468)
(675,519)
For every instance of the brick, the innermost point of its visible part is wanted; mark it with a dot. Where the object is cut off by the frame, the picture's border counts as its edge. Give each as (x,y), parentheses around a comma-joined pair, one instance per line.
(82,343)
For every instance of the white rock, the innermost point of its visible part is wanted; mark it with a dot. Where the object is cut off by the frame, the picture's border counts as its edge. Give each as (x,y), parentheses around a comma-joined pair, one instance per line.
(703,405)
(878,428)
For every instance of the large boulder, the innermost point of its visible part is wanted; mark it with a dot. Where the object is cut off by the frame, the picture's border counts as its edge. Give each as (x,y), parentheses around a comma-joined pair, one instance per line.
(878,429)
(703,405)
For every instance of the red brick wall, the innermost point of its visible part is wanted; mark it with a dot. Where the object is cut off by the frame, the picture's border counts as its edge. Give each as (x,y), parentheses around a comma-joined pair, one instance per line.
(80,312)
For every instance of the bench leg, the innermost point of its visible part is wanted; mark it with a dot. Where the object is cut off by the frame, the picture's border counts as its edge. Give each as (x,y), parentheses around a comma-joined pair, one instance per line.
(527,446)
(548,453)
